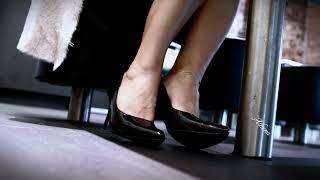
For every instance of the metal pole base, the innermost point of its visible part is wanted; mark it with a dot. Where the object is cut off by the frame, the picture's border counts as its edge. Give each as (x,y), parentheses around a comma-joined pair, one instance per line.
(80,104)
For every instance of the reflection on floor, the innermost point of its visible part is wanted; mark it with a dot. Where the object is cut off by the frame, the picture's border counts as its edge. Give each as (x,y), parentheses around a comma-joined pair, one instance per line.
(37,143)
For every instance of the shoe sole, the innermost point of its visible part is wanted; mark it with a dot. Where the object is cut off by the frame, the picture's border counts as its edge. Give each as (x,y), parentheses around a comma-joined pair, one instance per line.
(127,135)
(198,140)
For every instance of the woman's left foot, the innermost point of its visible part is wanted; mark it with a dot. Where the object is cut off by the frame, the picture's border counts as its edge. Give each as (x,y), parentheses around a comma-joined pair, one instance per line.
(182,88)
(178,102)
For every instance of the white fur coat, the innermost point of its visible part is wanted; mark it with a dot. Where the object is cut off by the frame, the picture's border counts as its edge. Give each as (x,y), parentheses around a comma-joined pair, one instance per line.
(48,29)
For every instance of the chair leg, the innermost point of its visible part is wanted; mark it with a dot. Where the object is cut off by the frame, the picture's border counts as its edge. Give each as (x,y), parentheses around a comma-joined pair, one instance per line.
(301,134)
(221,117)
(80,104)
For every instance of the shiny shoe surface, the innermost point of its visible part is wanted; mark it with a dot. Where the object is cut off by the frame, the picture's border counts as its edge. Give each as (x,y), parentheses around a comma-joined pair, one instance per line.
(188,129)
(133,128)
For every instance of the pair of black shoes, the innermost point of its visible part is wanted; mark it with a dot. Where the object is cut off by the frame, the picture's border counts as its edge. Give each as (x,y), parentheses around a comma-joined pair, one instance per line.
(182,126)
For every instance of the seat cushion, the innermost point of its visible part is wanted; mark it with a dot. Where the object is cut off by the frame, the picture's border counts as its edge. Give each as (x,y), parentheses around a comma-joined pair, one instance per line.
(105,43)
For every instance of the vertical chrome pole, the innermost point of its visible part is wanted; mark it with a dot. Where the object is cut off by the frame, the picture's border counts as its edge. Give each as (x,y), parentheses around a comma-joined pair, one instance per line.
(261,79)
(80,104)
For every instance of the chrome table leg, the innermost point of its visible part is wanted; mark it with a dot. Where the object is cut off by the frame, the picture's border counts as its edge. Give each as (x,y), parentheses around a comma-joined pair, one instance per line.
(254,136)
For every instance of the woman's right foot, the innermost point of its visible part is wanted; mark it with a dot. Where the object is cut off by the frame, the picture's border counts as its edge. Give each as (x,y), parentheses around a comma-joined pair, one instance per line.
(133,128)
(137,94)
(132,108)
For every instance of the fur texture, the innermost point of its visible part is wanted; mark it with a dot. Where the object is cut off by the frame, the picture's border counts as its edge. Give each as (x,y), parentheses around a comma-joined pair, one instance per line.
(48,29)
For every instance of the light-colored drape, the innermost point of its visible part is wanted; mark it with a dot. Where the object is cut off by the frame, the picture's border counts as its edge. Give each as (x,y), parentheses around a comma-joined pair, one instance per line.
(48,29)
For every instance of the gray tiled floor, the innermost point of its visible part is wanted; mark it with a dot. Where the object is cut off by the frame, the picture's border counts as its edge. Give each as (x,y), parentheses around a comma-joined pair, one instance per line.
(37,143)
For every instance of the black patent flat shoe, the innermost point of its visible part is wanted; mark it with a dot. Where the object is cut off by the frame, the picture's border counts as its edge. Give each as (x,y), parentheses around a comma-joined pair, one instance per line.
(186,128)
(133,128)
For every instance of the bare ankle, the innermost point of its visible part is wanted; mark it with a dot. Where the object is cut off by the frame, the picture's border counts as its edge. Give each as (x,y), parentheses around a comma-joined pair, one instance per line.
(136,73)
(138,68)
(183,76)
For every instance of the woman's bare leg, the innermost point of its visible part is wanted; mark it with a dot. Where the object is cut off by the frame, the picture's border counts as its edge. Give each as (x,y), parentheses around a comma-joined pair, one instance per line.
(139,87)
(208,29)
